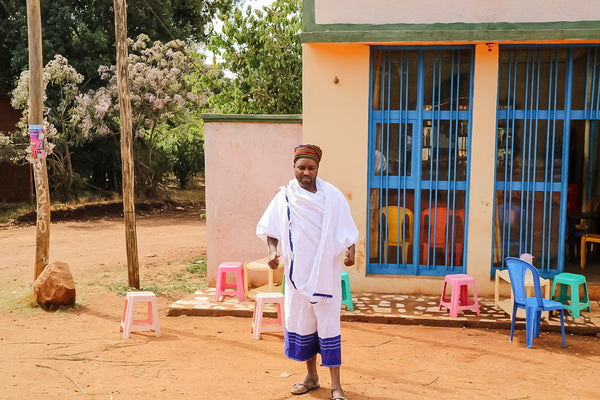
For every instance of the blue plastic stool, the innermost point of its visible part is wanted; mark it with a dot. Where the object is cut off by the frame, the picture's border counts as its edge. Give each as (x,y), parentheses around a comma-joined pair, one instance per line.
(574,281)
(346,293)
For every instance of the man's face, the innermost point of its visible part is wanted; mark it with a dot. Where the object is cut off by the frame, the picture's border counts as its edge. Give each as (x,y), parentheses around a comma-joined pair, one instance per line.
(306,171)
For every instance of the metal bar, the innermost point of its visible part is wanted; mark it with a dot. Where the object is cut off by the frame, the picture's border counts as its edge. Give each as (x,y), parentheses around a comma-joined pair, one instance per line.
(512,154)
(438,69)
(565,159)
(454,135)
(387,125)
(549,173)
(533,174)
(417,164)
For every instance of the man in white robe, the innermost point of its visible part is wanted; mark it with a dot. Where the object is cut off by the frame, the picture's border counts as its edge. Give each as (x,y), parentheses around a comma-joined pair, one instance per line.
(309,224)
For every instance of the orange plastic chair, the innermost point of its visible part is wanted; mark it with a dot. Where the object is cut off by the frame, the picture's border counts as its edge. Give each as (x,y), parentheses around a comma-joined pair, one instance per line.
(433,233)
(395,234)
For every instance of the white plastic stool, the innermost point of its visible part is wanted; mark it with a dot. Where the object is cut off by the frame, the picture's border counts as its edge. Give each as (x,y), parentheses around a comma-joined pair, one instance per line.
(128,324)
(260,324)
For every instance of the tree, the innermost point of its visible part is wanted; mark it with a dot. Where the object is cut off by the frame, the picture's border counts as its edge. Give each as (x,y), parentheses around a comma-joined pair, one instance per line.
(162,95)
(61,87)
(83,30)
(262,49)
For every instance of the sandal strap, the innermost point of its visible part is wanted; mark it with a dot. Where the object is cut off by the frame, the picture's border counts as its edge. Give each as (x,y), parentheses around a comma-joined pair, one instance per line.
(338,397)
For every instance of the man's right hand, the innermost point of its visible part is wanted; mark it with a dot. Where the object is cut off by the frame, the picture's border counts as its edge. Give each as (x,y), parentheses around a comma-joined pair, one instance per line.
(274,262)
(273,256)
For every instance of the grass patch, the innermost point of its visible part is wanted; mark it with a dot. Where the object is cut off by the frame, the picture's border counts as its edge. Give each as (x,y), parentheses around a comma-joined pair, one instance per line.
(198,266)
(175,284)
(11,211)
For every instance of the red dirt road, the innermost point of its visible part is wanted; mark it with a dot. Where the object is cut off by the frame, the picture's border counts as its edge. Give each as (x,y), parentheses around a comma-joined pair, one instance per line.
(79,354)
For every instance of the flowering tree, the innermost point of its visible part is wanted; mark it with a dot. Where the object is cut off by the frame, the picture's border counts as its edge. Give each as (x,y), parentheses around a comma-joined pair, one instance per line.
(162,91)
(61,88)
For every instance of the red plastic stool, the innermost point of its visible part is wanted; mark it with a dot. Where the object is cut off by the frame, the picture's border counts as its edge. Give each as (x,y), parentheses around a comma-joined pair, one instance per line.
(238,269)
(459,297)
(260,324)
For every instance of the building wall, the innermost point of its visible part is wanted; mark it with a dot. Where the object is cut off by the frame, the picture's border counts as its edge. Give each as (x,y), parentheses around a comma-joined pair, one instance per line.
(447,11)
(449,21)
(337,35)
(336,118)
(15,180)
(247,159)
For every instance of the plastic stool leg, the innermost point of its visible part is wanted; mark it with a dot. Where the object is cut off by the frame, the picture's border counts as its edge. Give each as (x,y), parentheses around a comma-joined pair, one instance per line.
(258,316)
(443,297)
(475,299)
(586,296)
(454,299)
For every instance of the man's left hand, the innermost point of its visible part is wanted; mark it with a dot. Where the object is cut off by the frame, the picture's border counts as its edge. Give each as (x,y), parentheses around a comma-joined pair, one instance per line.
(349,260)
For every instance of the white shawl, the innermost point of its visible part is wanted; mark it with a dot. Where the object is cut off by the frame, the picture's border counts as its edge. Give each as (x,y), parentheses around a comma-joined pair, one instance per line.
(321,230)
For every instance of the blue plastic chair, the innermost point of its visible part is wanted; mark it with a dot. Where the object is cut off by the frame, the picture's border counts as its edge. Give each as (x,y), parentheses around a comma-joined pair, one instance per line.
(533,306)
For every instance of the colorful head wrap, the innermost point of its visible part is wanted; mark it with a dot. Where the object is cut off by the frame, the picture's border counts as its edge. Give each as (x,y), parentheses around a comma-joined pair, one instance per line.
(308,151)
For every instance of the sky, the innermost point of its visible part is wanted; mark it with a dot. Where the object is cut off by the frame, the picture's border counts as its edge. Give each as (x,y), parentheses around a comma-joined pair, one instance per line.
(258,3)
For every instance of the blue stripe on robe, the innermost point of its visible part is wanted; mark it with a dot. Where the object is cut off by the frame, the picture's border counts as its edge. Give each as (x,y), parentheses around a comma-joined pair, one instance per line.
(304,347)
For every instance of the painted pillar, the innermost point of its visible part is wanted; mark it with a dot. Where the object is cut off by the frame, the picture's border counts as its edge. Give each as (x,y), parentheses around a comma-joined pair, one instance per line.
(483,147)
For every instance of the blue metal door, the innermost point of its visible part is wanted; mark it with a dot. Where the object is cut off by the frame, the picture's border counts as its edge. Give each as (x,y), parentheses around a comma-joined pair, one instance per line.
(548,98)
(419,140)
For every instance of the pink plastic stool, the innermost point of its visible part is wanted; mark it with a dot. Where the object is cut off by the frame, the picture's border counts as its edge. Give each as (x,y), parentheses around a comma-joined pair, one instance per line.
(128,324)
(459,298)
(238,269)
(260,324)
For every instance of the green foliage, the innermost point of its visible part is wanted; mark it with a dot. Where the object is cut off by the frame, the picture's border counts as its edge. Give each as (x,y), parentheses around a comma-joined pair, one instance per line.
(10,211)
(262,49)
(185,144)
(61,87)
(98,162)
(152,165)
(165,101)
(83,30)
(13,146)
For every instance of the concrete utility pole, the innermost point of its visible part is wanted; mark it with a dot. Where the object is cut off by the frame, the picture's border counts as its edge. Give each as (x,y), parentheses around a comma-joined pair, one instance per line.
(36,132)
(126,143)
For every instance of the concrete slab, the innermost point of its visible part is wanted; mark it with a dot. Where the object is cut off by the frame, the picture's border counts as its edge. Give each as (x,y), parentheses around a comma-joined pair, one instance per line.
(395,309)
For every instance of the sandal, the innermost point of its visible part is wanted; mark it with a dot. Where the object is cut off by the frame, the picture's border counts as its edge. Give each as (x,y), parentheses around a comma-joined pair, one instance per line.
(306,386)
(338,397)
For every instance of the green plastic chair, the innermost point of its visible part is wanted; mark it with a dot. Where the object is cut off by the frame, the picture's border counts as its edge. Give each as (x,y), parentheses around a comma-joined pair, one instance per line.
(346,293)
(572,303)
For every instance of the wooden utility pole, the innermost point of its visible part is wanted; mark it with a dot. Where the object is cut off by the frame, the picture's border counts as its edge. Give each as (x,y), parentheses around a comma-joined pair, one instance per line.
(126,143)
(36,115)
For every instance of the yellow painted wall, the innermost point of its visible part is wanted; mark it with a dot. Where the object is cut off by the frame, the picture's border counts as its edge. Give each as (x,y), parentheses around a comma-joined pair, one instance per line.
(483,146)
(335,116)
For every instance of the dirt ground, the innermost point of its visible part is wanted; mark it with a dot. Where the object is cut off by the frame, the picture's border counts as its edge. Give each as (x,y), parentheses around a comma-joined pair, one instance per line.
(79,354)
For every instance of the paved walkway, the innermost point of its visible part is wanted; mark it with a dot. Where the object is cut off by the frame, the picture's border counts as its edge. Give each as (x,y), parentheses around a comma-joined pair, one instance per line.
(395,309)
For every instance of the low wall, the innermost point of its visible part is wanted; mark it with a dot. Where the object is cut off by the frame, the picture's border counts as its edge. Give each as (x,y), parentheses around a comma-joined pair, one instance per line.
(245,163)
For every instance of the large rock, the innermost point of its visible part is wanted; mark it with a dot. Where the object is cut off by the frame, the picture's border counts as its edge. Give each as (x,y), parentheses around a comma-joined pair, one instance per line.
(54,287)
